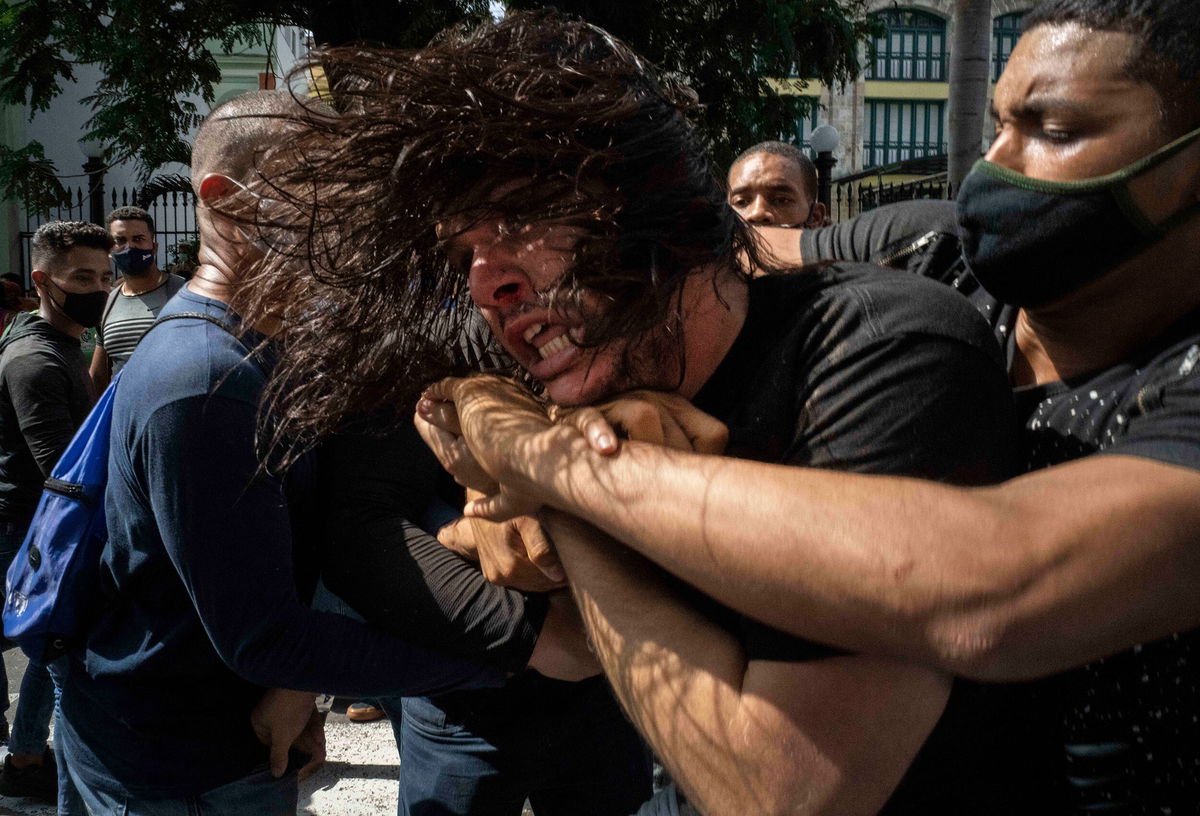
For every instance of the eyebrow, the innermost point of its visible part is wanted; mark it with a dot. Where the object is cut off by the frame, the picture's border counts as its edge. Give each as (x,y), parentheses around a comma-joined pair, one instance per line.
(1041,105)
(774,186)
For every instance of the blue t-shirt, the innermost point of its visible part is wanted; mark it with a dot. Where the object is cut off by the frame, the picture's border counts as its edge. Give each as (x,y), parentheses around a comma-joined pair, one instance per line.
(202,609)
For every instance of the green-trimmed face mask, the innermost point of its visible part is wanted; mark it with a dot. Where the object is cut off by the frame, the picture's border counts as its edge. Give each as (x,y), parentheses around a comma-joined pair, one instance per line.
(1030,242)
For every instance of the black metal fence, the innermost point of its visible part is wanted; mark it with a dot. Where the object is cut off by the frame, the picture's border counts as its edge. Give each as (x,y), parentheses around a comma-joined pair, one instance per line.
(174,217)
(866,191)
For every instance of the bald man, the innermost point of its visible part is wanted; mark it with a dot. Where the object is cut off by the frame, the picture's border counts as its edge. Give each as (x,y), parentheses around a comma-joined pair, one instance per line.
(205,548)
(774,184)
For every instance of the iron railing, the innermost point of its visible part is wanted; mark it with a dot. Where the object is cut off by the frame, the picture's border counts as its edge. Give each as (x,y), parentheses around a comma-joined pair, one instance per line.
(174,215)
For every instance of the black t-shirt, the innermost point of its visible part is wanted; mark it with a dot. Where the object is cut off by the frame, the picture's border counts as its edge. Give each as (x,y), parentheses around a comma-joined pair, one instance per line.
(857,368)
(1128,725)
(44,398)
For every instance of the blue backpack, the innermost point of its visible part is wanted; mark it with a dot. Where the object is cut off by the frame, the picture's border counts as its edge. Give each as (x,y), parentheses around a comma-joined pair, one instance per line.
(50,595)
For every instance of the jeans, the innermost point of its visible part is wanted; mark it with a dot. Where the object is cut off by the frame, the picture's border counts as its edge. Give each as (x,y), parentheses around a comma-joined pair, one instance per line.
(258,794)
(567,747)
(667,802)
(69,801)
(35,705)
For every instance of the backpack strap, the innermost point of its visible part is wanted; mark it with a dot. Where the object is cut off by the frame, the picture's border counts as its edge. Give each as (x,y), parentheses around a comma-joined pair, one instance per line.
(216,321)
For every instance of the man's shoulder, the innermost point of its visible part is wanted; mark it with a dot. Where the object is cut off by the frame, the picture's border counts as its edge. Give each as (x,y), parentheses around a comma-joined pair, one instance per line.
(190,356)
(868,303)
(33,355)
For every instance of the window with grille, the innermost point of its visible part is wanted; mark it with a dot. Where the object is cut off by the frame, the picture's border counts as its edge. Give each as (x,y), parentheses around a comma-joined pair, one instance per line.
(913,47)
(901,129)
(1006,30)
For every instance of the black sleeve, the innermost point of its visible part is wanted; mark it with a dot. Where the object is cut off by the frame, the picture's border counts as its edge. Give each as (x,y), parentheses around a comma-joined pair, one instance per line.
(399,577)
(911,405)
(917,236)
(1166,428)
(41,397)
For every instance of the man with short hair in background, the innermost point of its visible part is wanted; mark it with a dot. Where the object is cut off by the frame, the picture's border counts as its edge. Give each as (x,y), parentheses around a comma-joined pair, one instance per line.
(774,184)
(135,303)
(44,397)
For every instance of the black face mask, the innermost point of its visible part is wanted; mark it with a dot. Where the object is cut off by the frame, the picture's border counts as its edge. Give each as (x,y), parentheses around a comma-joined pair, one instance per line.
(85,309)
(1031,242)
(133,262)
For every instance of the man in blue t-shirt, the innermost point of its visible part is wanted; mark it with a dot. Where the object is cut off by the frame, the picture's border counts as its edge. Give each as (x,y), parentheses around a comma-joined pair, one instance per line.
(207,546)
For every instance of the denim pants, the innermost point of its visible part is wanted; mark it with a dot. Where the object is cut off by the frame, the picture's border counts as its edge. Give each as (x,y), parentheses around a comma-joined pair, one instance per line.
(35,705)
(38,699)
(667,802)
(567,747)
(258,794)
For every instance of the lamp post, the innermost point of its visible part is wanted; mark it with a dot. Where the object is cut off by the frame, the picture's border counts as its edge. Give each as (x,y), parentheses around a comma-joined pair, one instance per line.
(93,151)
(825,140)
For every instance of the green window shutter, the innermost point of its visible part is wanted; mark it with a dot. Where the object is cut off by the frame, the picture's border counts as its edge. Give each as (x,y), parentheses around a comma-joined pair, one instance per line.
(912,48)
(900,129)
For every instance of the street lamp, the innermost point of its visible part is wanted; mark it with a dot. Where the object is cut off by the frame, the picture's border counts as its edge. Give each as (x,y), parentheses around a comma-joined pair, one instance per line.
(93,151)
(825,139)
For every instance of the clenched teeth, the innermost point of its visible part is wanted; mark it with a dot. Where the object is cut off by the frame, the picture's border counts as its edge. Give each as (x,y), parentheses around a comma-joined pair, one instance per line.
(560,343)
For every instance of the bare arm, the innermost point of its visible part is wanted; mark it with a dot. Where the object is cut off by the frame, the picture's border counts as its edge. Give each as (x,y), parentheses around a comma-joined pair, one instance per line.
(100,369)
(745,737)
(1044,572)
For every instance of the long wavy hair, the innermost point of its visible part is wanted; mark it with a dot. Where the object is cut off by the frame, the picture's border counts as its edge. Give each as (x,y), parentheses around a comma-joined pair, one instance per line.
(407,140)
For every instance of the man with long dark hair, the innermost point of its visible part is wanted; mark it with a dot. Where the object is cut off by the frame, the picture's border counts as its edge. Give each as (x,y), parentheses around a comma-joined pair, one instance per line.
(1081,228)
(543,167)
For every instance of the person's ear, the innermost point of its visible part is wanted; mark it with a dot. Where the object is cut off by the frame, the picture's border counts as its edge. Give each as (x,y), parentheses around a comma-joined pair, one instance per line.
(215,186)
(816,216)
(38,277)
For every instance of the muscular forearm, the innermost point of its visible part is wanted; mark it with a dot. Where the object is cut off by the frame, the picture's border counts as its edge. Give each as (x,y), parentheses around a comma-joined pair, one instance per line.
(742,736)
(1042,573)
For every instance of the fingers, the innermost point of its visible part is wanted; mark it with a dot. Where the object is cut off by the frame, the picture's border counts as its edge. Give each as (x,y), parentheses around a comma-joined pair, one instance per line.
(311,767)
(640,420)
(312,742)
(459,536)
(667,419)
(674,435)
(705,434)
(445,390)
(443,414)
(595,427)
(454,455)
(279,754)
(497,507)
(539,549)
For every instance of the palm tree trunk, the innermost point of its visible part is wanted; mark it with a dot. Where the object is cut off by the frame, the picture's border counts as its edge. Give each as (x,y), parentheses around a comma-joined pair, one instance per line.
(969,65)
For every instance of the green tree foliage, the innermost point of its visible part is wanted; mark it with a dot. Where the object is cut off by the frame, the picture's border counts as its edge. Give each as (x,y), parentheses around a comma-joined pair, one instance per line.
(733,52)
(156,58)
